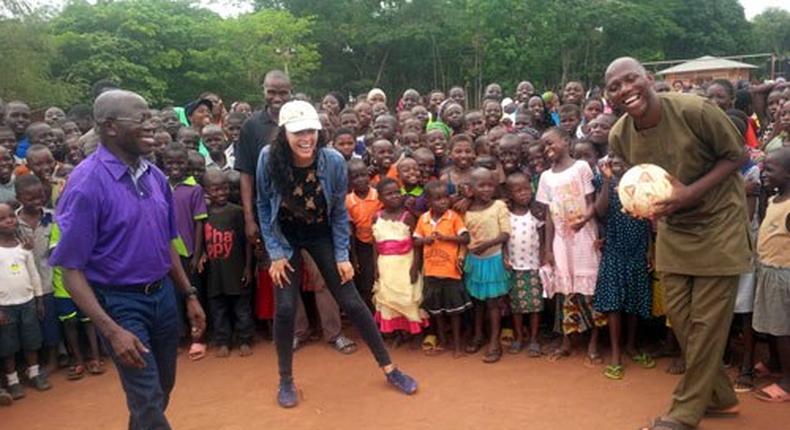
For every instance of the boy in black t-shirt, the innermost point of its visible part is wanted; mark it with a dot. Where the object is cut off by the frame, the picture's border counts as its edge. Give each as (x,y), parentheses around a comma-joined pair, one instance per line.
(228,262)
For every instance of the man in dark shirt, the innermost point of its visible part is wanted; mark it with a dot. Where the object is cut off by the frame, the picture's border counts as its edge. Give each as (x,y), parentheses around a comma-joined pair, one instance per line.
(257,132)
(17,118)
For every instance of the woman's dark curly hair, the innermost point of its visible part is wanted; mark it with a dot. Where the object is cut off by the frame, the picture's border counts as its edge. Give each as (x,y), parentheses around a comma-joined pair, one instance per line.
(280,163)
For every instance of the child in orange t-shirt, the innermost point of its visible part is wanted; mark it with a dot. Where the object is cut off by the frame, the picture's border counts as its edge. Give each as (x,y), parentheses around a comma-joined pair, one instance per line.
(362,204)
(441,234)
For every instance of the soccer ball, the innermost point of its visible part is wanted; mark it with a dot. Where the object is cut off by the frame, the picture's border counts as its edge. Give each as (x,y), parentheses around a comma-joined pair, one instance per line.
(641,187)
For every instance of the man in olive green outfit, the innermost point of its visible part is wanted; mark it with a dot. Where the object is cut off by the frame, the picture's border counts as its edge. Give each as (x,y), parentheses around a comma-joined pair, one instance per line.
(702,244)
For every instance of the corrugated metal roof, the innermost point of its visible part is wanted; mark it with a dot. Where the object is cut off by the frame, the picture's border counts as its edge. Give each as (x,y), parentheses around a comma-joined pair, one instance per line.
(706,63)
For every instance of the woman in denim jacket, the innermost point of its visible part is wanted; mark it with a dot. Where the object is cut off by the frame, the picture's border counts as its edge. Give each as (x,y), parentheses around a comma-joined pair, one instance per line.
(302,186)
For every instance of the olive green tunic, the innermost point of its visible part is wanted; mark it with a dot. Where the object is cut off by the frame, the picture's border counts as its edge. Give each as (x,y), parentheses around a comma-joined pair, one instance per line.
(710,238)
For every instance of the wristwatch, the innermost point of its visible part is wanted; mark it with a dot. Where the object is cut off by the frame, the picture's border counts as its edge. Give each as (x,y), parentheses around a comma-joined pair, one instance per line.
(191,292)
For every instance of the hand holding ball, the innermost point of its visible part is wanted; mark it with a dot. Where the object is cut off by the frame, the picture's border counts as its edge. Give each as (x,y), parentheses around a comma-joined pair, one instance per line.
(641,187)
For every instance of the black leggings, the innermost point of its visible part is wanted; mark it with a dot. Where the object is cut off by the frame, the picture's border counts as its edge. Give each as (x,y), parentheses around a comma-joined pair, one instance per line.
(323,252)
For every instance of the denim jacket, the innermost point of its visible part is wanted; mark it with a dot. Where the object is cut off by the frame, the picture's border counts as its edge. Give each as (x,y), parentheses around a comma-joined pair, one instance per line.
(332,173)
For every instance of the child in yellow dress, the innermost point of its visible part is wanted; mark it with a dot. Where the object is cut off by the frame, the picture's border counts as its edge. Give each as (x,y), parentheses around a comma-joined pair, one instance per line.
(397,291)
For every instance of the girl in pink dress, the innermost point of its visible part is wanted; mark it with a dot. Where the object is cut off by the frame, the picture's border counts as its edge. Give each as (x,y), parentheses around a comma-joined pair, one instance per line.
(397,292)
(567,190)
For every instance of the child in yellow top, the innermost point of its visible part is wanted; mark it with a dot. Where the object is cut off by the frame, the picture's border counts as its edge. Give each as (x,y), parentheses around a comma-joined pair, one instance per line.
(772,295)
(486,278)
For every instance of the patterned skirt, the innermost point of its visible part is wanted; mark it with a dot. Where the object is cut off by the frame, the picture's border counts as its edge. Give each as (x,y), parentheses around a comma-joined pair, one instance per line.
(526,292)
(623,285)
(575,314)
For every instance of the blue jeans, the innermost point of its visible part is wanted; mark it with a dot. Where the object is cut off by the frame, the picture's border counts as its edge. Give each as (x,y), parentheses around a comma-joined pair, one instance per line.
(153,319)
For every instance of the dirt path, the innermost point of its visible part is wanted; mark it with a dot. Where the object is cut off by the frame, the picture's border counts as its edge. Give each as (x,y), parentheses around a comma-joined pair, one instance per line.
(342,392)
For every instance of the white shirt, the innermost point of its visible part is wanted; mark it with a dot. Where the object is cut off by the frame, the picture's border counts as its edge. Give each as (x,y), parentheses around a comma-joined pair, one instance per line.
(40,236)
(230,160)
(19,280)
(524,242)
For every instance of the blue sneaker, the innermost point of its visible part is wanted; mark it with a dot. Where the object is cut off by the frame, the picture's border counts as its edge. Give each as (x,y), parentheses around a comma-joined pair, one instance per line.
(403,382)
(286,395)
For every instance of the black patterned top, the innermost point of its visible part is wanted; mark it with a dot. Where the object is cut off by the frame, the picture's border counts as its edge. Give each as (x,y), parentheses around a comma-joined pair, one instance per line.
(305,207)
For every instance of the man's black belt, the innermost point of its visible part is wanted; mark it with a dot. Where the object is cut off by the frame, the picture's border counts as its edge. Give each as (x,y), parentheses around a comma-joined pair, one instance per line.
(146,289)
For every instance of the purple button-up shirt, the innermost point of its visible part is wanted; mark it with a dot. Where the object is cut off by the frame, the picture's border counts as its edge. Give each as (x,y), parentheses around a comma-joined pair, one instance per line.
(116,224)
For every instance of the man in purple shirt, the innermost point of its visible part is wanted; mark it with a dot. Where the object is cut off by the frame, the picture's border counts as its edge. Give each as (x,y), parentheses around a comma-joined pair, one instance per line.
(117,224)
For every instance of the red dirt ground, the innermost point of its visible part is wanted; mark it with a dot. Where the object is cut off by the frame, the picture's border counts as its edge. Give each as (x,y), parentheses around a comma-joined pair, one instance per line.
(342,392)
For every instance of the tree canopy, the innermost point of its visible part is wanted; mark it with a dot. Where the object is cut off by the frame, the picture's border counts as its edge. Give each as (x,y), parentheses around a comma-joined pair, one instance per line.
(772,31)
(169,51)
(172,50)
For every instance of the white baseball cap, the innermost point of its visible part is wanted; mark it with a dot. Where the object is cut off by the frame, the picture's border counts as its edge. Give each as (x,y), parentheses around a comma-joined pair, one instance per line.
(298,116)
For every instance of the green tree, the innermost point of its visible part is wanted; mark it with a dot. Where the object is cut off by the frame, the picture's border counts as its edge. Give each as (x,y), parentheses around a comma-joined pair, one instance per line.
(235,54)
(26,52)
(427,44)
(392,44)
(707,27)
(772,31)
(553,42)
(170,51)
(139,43)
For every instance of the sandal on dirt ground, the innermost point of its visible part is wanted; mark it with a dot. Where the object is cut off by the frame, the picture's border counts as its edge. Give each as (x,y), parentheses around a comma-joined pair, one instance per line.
(666,423)
(745,381)
(245,350)
(95,367)
(558,354)
(197,351)
(344,345)
(593,359)
(474,346)
(492,356)
(533,350)
(773,393)
(730,412)
(430,346)
(439,350)
(507,337)
(516,347)
(76,372)
(644,360)
(614,371)
(222,351)
(429,342)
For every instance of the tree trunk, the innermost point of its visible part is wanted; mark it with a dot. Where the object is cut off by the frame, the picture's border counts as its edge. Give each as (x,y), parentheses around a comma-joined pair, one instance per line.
(435,52)
(381,67)
(566,64)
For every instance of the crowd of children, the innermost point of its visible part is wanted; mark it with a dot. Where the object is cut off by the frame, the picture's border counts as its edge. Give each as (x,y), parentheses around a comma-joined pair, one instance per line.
(464,222)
